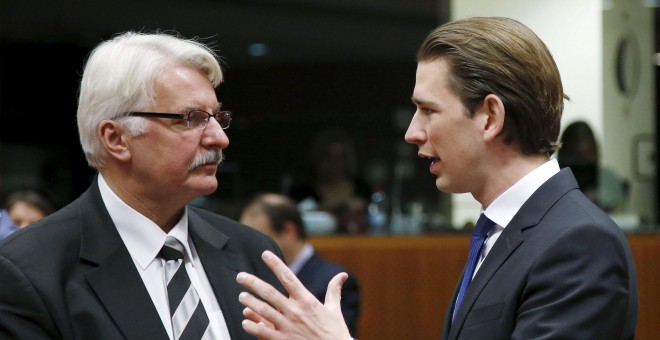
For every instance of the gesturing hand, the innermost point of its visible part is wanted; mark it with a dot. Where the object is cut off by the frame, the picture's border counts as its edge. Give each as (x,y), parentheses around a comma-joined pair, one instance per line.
(301,316)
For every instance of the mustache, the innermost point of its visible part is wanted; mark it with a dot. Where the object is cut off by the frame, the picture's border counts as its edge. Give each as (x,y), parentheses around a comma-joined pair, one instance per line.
(208,157)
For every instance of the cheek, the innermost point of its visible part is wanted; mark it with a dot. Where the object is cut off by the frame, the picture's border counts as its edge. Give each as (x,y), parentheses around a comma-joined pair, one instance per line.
(440,137)
(177,156)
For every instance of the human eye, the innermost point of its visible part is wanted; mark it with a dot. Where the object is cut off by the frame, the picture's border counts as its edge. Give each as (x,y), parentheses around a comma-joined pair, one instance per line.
(197,118)
(423,107)
(425,110)
(182,121)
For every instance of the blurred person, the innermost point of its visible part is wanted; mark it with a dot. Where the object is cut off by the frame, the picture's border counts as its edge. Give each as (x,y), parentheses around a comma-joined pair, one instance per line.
(26,207)
(579,151)
(333,184)
(278,217)
(545,262)
(130,259)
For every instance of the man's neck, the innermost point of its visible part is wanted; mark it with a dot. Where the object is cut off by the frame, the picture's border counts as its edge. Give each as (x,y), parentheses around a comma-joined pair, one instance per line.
(159,212)
(506,173)
(293,251)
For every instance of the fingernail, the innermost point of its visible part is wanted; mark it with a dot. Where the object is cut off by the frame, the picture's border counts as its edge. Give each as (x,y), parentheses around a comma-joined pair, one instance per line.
(242,296)
(266,255)
(240,278)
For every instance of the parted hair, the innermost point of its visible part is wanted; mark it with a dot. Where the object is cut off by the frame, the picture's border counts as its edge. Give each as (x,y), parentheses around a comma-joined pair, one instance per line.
(119,76)
(501,56)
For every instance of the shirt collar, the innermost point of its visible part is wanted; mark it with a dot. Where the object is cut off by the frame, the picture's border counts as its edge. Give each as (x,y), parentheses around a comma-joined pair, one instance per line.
(506,206)
(303,256)
(143,238)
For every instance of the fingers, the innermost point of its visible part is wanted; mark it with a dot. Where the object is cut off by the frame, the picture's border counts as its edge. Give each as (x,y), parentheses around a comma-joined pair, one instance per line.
(300,316)
(255,325)
(259,330)
(265,291)
(333,294)
(284,274)
(249,314)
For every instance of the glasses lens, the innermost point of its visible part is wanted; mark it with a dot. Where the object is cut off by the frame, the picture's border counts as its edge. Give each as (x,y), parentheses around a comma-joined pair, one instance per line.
(197,119)
(224,118)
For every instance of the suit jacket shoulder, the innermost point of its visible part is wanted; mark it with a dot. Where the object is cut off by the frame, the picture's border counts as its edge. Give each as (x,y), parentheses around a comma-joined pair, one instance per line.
(70,276)
(561,262)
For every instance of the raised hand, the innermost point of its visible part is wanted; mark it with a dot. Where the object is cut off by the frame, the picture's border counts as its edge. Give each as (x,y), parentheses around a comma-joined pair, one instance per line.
(300,316)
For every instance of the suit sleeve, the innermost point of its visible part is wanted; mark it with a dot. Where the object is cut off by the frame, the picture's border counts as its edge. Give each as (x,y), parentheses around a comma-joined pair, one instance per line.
(23,315)
(577,289)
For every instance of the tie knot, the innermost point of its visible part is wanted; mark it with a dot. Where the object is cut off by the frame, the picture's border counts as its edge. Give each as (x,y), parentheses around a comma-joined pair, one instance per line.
(172,250)
(483,226)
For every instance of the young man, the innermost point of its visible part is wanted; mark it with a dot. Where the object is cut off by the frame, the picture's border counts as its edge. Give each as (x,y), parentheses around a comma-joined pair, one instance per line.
(130,259)
(489,101)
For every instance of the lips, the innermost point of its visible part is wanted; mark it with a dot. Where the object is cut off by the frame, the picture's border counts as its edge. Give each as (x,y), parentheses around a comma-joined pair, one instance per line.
(430,158)
(435,161)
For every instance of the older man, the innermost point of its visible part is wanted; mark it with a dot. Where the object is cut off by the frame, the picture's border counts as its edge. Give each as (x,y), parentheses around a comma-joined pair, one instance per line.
(130,259)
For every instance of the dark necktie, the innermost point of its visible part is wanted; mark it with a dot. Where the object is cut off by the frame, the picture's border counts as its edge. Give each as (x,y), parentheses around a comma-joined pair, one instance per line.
(189,318)
(484,224)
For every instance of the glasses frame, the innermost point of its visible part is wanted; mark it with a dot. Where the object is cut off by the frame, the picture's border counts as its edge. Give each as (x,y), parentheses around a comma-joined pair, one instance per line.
(221,117)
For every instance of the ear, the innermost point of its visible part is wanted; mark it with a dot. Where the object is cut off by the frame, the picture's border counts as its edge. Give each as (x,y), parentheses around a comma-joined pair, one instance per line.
(493,122)
(113,139)
(290,231)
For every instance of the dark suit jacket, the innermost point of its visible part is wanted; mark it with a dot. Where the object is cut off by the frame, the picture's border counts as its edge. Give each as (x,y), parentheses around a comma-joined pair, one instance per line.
(69,276)
(315,276)
(562,269)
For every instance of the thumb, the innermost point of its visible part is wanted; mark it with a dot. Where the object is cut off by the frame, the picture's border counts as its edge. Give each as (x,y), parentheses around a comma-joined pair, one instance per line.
(333,294)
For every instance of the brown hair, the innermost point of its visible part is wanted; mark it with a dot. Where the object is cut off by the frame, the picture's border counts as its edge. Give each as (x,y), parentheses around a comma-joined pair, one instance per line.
(280,209)
(503,57)
(32,198)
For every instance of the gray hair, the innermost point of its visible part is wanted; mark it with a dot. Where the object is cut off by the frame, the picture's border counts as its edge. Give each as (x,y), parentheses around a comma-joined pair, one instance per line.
(119,77)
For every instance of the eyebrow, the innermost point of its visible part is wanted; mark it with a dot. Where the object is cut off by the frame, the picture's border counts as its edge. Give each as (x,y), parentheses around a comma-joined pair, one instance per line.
(419,101)
(218,107)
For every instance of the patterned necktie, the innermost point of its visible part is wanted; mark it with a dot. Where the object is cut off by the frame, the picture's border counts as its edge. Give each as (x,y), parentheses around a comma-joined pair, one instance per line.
(483,226)
(189,318)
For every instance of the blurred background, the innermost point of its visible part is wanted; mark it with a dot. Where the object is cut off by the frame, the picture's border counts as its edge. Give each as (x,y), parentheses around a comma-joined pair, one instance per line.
(320,90)
(294,70)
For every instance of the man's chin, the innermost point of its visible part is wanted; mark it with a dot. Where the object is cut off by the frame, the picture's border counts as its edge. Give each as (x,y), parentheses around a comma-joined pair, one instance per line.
(206,185)
(443,186)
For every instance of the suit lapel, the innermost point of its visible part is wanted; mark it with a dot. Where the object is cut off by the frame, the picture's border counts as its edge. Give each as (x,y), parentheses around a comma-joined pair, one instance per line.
(115,279)
(122,292)
(529,215)
(221,268)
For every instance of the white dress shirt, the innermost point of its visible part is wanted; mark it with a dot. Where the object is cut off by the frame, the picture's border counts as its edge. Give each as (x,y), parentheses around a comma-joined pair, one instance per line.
(144,239)
(506,206)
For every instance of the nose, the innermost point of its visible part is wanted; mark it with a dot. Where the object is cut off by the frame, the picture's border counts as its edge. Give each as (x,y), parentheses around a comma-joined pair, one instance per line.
(213,136)
(415,134)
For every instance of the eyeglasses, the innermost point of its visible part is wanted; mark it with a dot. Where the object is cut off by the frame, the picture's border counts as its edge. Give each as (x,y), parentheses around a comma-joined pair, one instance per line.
(195,119)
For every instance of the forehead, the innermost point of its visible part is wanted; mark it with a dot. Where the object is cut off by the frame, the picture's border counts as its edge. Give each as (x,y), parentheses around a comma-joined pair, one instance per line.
(21,208)
(184,86)
(431,82)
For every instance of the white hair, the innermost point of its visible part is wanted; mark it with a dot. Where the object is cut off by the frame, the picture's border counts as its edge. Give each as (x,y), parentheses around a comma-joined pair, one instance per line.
(119,77)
